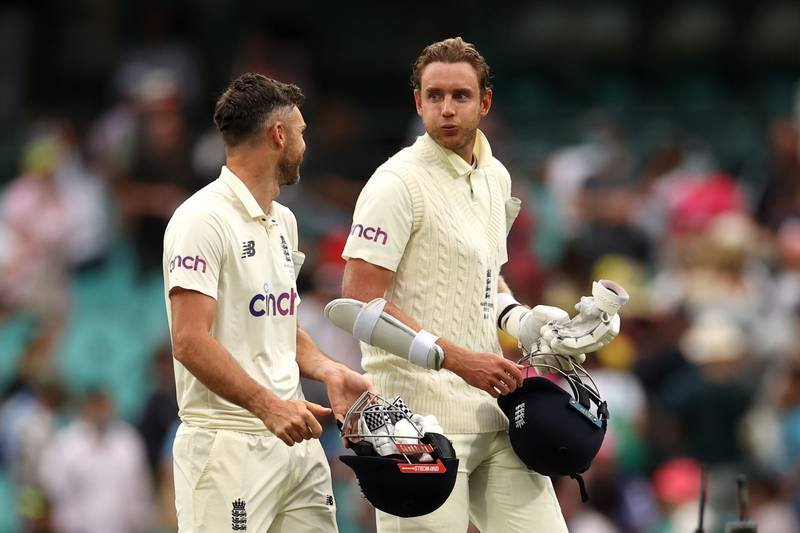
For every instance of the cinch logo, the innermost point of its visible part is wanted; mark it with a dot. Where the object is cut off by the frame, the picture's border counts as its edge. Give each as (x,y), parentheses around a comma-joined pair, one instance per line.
(189,263)
(273,304)
(369,233)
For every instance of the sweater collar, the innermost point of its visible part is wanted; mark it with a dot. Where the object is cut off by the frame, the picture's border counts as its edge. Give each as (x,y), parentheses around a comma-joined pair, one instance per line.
(482,153)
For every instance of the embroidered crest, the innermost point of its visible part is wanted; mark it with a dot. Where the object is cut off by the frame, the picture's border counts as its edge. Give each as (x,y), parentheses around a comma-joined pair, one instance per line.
(519,416)
(239,516)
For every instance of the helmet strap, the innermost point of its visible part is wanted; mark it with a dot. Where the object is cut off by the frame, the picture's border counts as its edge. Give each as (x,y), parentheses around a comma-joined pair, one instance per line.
(582,485)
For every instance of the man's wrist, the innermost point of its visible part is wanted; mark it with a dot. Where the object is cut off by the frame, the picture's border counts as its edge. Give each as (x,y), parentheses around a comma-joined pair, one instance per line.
(332,371)
(261,402)
(452,354)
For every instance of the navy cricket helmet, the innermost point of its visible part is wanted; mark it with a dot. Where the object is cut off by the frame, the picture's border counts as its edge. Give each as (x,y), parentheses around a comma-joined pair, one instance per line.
(413,482)
(553,431)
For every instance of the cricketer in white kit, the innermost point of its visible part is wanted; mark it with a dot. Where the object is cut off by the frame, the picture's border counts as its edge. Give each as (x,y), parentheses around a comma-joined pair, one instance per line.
(247,455)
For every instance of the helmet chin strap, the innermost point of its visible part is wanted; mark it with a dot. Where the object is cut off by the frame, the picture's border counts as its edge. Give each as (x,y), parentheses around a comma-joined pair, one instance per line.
(582,485)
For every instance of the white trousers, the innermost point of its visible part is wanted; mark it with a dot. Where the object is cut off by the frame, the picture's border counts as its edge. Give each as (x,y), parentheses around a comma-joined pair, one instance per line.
(493,489)
(231,481)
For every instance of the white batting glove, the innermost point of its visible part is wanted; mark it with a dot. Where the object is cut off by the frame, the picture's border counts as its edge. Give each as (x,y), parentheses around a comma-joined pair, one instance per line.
(427,424)
(532,321)
(376,428)
(544,361)
(596,324)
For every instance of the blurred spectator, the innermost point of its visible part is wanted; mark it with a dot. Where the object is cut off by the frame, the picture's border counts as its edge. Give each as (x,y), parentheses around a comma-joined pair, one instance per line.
(600,512)
(604,154)
(28,422)
(786,396)
(159,47)
(779,198)
(787,282)
(53,219)
(710,398)
(279,59)
(161,175)
(34,216)
(607,225)
(54,216)
(161,409)
(523,273)
(770,505)
(165,481)
(95,473)
(682,192)
(677,486)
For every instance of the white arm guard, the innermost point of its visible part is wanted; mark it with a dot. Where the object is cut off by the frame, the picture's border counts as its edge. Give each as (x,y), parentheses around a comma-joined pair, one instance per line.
(596,324)
(368,323)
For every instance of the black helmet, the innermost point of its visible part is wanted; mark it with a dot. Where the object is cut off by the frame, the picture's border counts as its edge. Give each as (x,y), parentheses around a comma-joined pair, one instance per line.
(414,482)
(553,432)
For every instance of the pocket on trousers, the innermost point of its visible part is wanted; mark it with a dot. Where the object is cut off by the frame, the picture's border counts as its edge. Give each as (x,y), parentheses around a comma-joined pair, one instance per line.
(206,456)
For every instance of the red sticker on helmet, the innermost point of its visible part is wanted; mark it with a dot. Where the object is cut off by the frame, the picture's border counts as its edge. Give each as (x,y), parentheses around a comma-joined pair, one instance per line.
(422,468)
(414,448)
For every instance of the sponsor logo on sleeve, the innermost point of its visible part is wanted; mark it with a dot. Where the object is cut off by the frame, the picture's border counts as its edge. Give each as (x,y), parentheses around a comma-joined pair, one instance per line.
(369,233)
(268,303)
(188,262)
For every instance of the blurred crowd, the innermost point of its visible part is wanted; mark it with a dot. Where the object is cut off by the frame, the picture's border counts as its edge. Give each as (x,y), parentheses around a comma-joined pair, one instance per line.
(705,376)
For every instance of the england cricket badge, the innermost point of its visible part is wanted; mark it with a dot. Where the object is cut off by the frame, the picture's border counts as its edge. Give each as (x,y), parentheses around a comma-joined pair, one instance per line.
(238,516)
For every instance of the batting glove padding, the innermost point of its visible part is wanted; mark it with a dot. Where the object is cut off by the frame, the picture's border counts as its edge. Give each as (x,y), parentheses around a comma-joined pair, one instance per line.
(596,324)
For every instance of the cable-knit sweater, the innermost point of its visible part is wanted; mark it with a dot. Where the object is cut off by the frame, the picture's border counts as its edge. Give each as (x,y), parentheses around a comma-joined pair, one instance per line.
(446,277)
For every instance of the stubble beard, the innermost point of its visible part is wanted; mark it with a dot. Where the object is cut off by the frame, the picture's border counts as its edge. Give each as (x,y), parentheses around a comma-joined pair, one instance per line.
(458,144)
(289,171)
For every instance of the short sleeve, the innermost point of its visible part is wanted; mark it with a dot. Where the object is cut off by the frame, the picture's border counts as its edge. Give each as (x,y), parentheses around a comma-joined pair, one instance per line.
(193,252)
(381,222)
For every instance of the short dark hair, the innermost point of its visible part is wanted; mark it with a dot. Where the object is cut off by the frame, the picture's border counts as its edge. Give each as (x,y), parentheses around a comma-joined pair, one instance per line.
(454,50)
(247,103)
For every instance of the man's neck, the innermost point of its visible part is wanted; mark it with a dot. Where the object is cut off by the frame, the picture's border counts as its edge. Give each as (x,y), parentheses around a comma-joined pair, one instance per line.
(258,176)
(467,154)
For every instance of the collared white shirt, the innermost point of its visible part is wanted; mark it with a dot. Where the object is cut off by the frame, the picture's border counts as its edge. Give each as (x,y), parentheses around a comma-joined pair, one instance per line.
(222,244)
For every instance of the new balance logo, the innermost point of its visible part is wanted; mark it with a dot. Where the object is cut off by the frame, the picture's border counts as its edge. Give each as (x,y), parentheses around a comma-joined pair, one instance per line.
(248,249)
(238,516)
(519,416)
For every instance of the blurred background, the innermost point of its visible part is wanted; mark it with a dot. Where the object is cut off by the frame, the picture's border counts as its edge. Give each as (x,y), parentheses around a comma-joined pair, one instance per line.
(656,144)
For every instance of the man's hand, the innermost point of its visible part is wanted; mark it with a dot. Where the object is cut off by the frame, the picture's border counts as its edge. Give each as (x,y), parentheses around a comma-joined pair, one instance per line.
(530,324)
(596,324)
(581,335)
(344,387)
(486,371)
(292,421)
(545,361)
